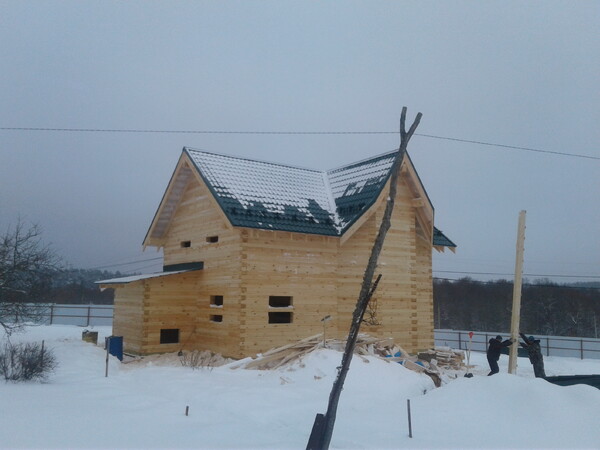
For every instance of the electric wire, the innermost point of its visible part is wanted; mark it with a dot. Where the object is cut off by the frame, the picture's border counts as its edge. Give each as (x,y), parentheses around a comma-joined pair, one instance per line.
(267,132)
(125,263)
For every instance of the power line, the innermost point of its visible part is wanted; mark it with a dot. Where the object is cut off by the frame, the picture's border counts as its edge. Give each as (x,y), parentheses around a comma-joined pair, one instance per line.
(266,132)
(125,264)
(514,147)
(118,130)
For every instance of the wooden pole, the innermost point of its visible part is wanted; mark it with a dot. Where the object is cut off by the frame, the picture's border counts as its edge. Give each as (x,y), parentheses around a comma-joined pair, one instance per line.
(516,306)
(409,419)
(107,349)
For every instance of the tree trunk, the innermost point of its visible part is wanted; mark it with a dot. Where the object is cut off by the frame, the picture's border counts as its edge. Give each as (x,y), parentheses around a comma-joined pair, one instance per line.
(366,291)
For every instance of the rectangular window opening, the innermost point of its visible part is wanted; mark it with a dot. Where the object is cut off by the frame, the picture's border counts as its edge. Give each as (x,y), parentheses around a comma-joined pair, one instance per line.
(169,335)
(186,244)
(216,318)
(280,317)
(212,239)
(278,301)
(216,300)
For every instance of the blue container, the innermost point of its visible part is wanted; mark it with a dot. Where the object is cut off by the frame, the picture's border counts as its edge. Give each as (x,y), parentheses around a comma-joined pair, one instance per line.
(115,346)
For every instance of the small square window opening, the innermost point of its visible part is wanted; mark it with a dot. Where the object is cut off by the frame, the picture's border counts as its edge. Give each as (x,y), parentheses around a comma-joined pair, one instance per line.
(216,300)
(169,335)
(278,301)
(216,318)
(212,239)
(186,244)
(280,317)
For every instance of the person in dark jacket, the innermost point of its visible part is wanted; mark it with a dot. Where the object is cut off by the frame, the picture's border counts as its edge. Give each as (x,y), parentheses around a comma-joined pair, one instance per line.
(493,352)
(532,345)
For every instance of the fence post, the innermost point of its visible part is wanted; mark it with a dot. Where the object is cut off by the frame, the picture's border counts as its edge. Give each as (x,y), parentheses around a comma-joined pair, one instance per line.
(459,342)
(547,346)
(581,343)
(88,316)
(51,312)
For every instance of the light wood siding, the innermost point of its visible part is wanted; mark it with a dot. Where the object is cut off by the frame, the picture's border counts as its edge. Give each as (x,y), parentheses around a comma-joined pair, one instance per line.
(279,263)
(170,302)
(424,339)
(403,289)
(246,266)
(197,217)
(128,316)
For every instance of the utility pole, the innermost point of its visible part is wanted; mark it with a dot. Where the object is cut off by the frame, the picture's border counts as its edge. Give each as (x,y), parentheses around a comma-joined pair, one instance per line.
(517,285)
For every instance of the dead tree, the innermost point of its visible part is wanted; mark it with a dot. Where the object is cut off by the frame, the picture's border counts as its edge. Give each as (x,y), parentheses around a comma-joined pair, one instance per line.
(25,262)
(323,426)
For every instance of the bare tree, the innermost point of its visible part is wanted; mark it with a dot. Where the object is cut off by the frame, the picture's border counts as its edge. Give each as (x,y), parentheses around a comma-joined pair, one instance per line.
(25,263)
(323,427)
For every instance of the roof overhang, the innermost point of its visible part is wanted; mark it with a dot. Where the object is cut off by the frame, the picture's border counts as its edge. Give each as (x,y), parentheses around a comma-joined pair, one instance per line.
(168,271)
(184,172)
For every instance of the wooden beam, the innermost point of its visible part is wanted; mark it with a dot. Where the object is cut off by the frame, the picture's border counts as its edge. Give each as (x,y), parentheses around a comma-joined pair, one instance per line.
(516,306)
(418,202)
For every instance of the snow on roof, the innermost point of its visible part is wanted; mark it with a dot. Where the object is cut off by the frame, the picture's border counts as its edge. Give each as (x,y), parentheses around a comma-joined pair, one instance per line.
(270,196)
(274,196)
(131,279)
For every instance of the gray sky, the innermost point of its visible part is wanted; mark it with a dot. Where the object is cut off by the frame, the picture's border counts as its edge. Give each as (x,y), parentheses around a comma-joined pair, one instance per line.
(515,73)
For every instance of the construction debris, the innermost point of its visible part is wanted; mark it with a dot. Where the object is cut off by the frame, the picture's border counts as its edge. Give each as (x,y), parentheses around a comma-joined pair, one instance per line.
(196,359)
(431,362)
(443,357)
(287,354)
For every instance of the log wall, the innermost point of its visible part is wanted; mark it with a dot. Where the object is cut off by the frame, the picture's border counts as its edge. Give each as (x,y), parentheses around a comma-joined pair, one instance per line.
(197,220)
(300,266)
(128,316)
(321,274)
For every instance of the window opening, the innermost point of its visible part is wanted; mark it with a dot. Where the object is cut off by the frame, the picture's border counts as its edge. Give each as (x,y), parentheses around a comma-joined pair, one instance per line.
(212,239)
(280,317)
(278,301)
(186,244)
(216,300)
(169,335)
(216,318)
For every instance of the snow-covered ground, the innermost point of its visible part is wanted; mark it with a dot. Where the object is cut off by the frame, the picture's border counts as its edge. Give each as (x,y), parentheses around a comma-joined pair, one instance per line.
(142,404)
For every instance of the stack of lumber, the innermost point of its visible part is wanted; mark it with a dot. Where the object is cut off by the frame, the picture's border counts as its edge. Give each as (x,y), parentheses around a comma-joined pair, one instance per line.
(444,357)
(287,354)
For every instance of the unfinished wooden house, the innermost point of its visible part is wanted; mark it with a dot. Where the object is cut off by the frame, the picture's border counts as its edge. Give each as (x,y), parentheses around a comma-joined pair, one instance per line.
(257,254)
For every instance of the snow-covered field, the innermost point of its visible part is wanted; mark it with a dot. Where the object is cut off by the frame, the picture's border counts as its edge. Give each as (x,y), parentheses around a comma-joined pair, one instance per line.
(142,404)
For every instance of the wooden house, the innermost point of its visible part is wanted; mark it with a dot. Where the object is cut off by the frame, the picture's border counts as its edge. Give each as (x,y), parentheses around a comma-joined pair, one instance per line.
(257,254)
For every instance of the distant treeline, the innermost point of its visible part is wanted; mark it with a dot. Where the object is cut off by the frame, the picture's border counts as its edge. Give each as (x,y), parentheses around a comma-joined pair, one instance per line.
(547,308)
(71,286)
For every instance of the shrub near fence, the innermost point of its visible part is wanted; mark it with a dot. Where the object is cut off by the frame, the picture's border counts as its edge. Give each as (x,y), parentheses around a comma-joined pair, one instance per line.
(551,345)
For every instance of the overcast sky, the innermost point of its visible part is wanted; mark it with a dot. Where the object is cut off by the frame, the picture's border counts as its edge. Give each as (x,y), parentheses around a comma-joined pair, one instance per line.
(523,74)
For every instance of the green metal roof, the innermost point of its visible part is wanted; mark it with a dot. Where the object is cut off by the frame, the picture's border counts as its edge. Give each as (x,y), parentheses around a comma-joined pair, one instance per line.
(441,240)
(256,194)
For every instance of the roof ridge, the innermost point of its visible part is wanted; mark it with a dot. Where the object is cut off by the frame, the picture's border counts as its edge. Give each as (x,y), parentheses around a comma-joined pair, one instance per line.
(289,166)
(362,161)
(331,198)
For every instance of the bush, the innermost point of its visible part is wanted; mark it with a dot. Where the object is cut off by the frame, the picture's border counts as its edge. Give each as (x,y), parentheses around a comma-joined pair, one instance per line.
(26,361)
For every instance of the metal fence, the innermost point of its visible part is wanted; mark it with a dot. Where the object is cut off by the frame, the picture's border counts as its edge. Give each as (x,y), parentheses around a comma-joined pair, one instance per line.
(81,315)
(551,345)
(89,315)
